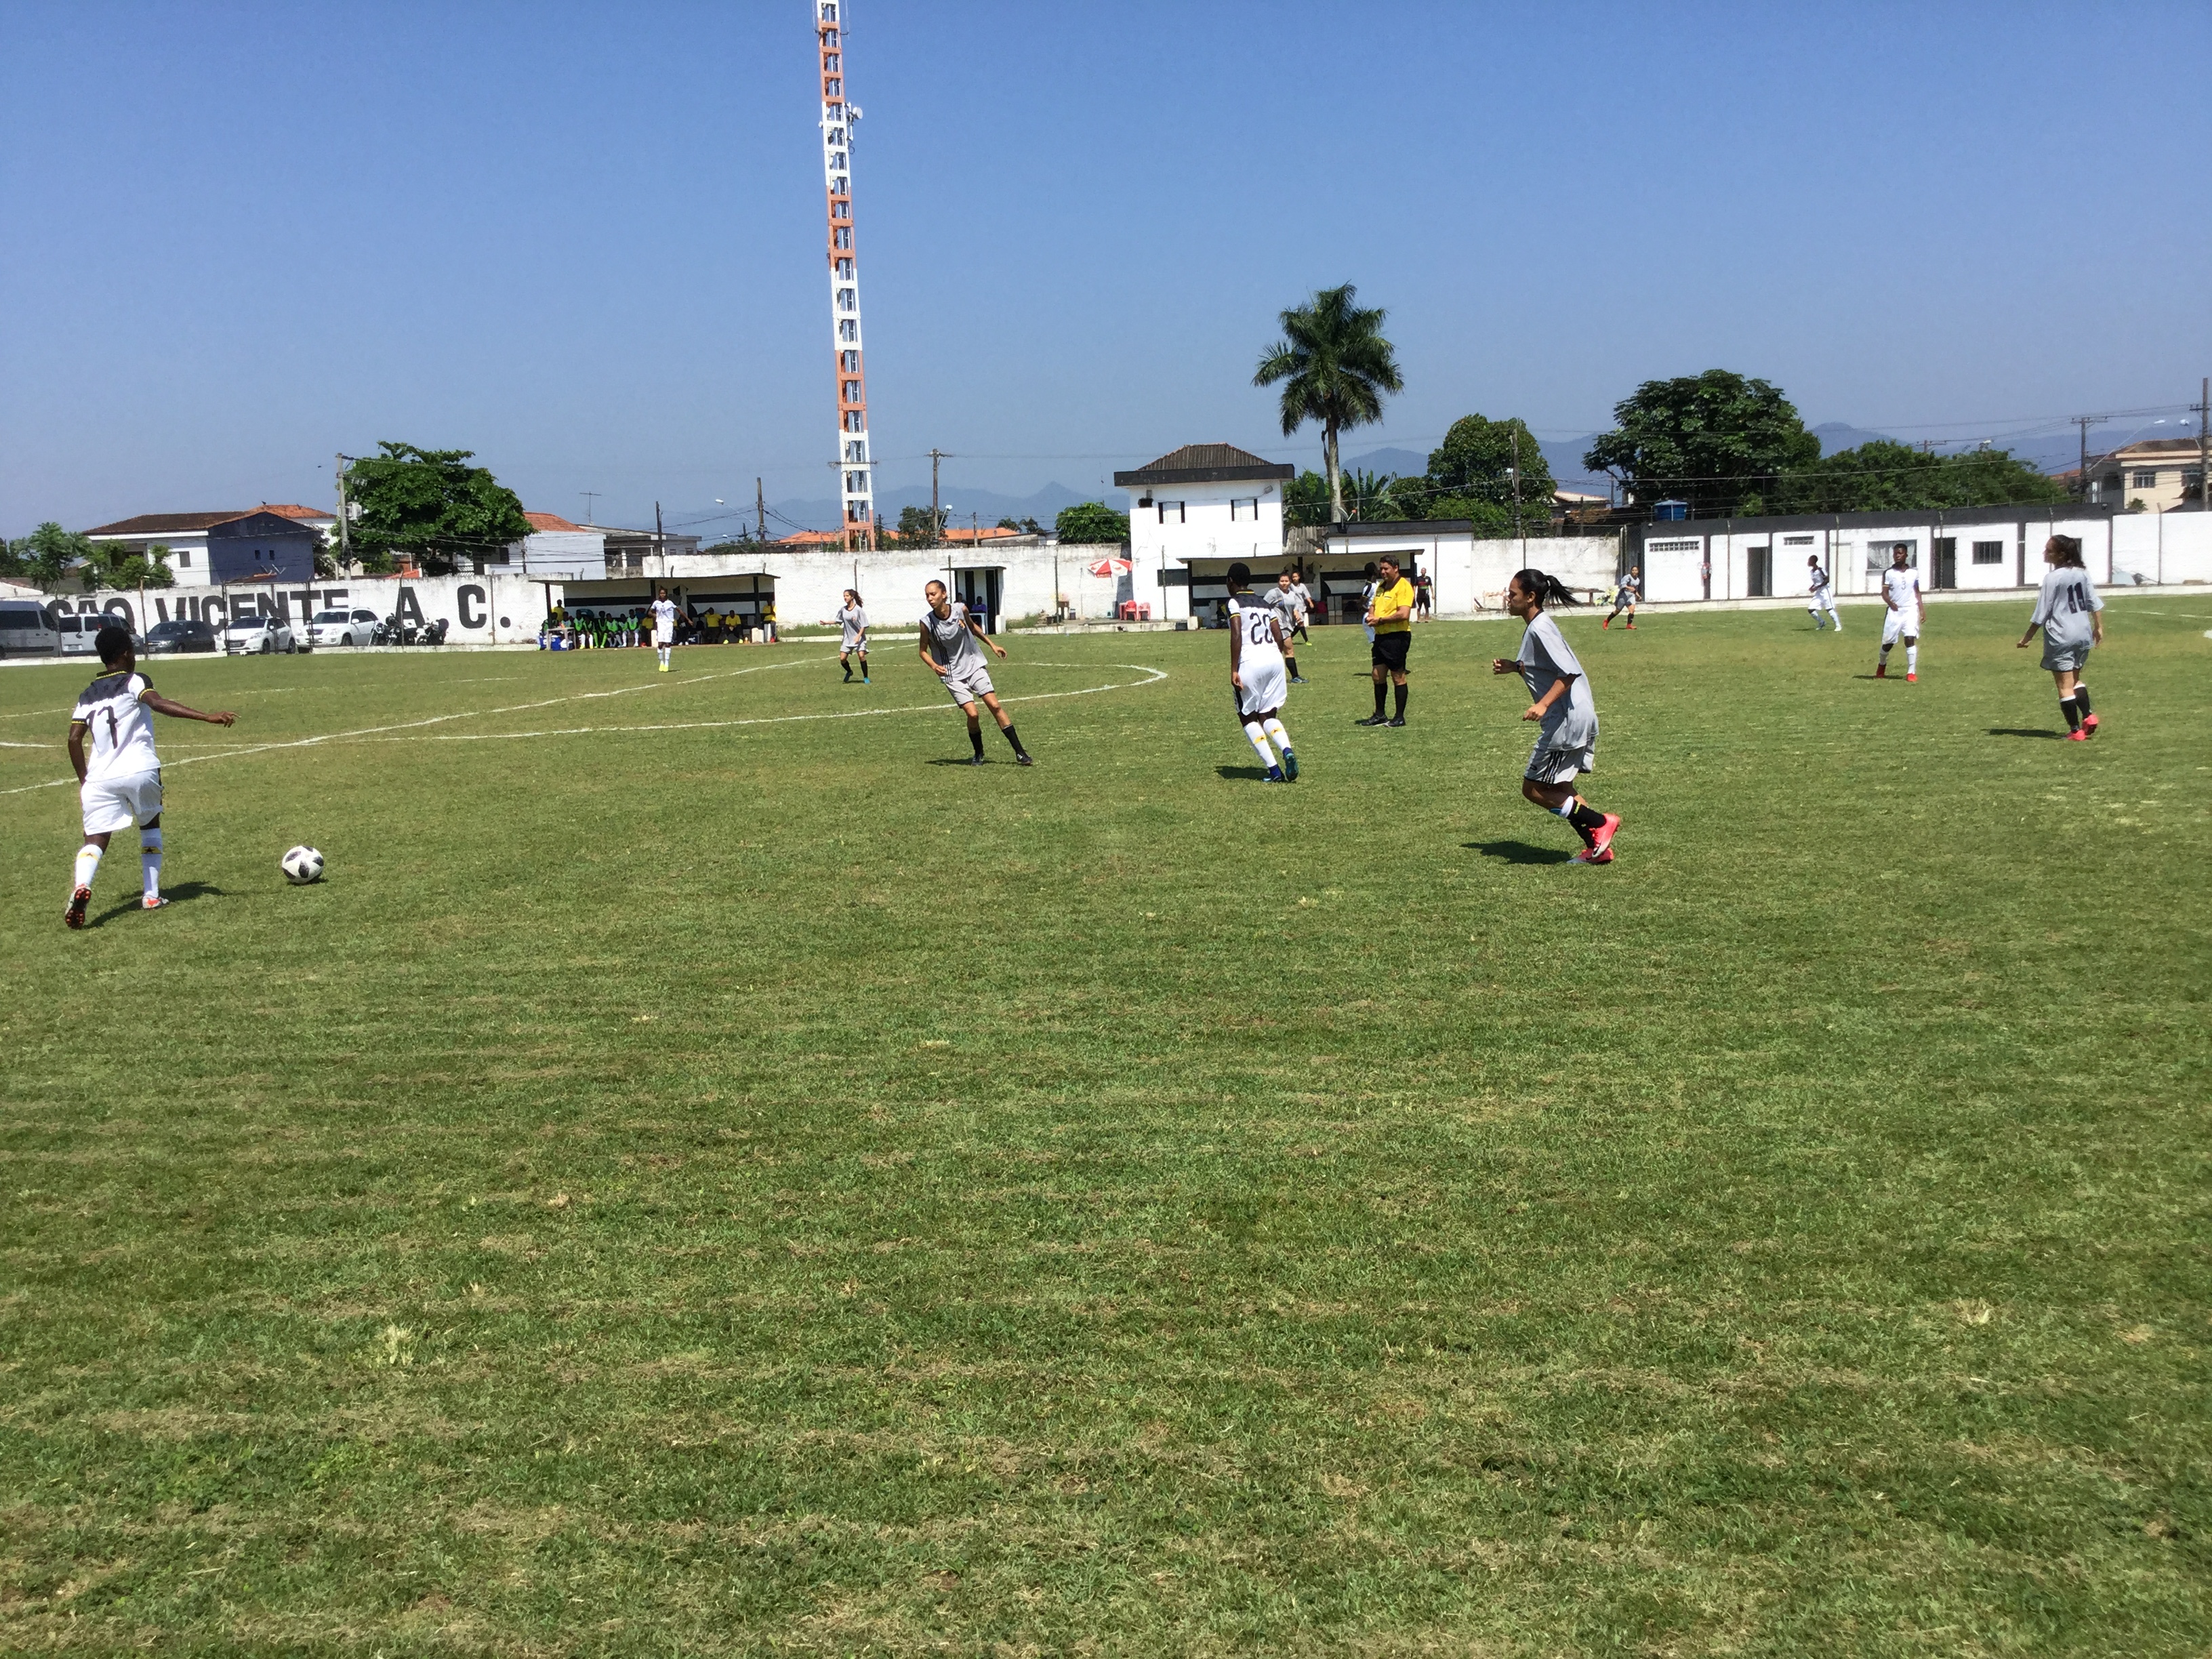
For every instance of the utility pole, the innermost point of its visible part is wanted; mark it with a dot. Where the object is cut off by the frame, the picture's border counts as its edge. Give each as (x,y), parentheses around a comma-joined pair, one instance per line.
(2204,446)
(1514,433)
(345,527)
(659,546)
(760,509)
(936,516)
(2085,422)
(589,496)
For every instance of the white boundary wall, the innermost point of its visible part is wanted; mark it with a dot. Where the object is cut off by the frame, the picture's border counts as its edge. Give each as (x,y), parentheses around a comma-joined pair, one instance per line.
(476,610)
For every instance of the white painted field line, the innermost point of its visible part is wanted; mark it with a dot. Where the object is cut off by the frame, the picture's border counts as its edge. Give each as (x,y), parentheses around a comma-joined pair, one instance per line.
(441,719)
(1157,674)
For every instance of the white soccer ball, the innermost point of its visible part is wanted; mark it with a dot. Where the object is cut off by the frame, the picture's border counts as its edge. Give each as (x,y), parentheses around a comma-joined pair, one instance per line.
(303,864)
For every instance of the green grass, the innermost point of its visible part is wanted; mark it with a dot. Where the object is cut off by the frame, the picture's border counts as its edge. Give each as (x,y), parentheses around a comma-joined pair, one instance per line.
(756,1188)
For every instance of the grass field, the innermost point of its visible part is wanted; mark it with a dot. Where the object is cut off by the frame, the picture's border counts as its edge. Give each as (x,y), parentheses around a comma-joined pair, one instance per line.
(723,1180)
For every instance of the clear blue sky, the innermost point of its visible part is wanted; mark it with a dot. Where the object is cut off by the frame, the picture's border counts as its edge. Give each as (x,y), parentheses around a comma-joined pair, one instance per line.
(584,240)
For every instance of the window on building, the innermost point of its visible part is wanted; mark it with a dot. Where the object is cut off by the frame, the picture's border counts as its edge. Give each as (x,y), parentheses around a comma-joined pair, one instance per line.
(1671,547)
(1170,507)
(1799,541)
(1989,552)
(184,562)
(1248,508)
(2146,478)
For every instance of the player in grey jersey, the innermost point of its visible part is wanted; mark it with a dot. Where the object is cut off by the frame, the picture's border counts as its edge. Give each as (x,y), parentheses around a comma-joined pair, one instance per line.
(1566,742)
(853,621)
(951,645)
(2072,618)
(1283,599)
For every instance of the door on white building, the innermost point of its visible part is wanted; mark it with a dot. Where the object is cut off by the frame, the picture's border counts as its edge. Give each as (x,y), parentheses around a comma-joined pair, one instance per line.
(1758,572)
(980,590)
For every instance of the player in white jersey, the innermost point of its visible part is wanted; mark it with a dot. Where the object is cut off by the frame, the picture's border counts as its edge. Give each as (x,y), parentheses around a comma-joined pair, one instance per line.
(1259,672)
(1821,596)
(2072,618)
(119,781)
(664,627)
(1560,699)
(853,640)
(1624,597)
(950,645)
(1901,595)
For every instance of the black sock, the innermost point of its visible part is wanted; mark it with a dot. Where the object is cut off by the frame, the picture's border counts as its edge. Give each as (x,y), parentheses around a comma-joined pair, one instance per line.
(1401,703)
(2081,699)
(2071,708)
(1012,739)
(1378,700)
(1585,817)
(976,737)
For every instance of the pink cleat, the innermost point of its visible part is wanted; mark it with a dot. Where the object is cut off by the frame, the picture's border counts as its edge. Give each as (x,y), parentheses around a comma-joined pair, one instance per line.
(2089,726)
(1593,855)
(75,914)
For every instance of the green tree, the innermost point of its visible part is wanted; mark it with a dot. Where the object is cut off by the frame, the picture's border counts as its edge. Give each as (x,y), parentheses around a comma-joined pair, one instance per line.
(1710,440)
(117,565)
(431,505)
(1371,497)
(1474,468)
(1884,474)
(1305,499)
(45,556)
(920,526)
(1091,521)
(1334,367)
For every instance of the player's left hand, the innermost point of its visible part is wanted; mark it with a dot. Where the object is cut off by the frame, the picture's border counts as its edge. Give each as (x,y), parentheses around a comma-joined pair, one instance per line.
(1236,680)
(1001,650)
(1533,713)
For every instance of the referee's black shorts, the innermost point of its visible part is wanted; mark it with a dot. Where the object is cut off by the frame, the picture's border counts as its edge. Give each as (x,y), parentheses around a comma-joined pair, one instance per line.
(1389,649)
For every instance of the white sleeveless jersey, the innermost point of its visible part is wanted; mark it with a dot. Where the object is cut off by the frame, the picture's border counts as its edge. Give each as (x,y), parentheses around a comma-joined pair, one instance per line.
(1255,618)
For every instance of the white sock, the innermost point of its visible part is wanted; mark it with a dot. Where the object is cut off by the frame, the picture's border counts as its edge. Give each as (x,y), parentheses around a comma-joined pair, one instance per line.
(1274,729)
(87,866)
(1885,653)
(1568,810)
(149,861)
(1912,660)
(1252,729)
(664,656)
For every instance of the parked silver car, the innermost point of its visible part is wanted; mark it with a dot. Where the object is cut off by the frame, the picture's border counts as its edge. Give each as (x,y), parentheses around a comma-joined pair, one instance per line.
(258,633)
(341,626)
(78,631)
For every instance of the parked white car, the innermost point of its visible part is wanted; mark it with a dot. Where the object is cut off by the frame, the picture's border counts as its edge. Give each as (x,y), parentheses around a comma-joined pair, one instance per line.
(338,627)
(258,633)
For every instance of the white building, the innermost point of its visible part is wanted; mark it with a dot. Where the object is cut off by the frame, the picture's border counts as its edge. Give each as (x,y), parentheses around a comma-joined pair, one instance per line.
(1193,513)
(186,535)
(555,548)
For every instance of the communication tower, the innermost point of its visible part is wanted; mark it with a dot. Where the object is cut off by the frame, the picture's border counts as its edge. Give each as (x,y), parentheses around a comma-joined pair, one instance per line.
(856,466)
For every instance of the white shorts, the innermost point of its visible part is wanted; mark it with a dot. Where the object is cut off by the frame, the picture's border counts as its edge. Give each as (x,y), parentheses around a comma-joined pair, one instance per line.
(659,638)
(970,686)
(1263,690)
(1549,765)
(1822,600)
(1898,625)
(112,804)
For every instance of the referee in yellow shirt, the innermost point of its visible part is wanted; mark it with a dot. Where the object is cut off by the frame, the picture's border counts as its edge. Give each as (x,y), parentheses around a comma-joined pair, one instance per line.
(1390,614)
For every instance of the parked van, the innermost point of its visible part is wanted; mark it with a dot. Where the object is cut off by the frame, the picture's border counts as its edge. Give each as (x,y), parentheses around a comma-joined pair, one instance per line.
(79,629)
(27,629)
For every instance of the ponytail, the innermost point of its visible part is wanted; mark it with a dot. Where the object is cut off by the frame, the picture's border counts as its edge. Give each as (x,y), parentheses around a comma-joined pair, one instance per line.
(1548,590)
(2066,549)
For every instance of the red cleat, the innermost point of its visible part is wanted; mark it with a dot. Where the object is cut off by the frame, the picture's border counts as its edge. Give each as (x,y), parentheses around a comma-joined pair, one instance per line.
(75,914)
(1593,855)
(2077,736)
(1881,670)
(1602,837)
(1913,679)
(2089,726)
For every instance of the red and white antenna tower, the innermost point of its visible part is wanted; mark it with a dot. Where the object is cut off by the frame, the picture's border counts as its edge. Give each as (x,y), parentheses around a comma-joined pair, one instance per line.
(856,466)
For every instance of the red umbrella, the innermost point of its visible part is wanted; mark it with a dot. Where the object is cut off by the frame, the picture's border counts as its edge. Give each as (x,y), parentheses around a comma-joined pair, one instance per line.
(1110,568)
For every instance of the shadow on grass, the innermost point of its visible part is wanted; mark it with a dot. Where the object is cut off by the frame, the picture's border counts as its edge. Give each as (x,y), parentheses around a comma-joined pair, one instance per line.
(2023,731)
(962,760)
(1249,774)
(183,893)
(1520,851)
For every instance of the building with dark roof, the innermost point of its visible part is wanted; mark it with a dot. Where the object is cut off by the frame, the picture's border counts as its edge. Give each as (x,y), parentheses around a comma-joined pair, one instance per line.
(1194,512)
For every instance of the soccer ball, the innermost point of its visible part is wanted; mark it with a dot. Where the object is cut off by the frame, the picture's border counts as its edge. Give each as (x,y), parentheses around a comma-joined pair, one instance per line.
(303,864)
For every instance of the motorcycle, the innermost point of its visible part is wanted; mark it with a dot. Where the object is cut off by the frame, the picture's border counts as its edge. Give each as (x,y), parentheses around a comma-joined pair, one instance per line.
(393,631)
(433,634)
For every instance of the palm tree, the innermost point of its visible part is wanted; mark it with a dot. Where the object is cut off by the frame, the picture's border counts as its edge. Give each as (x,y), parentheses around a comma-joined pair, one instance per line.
(1335,366)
